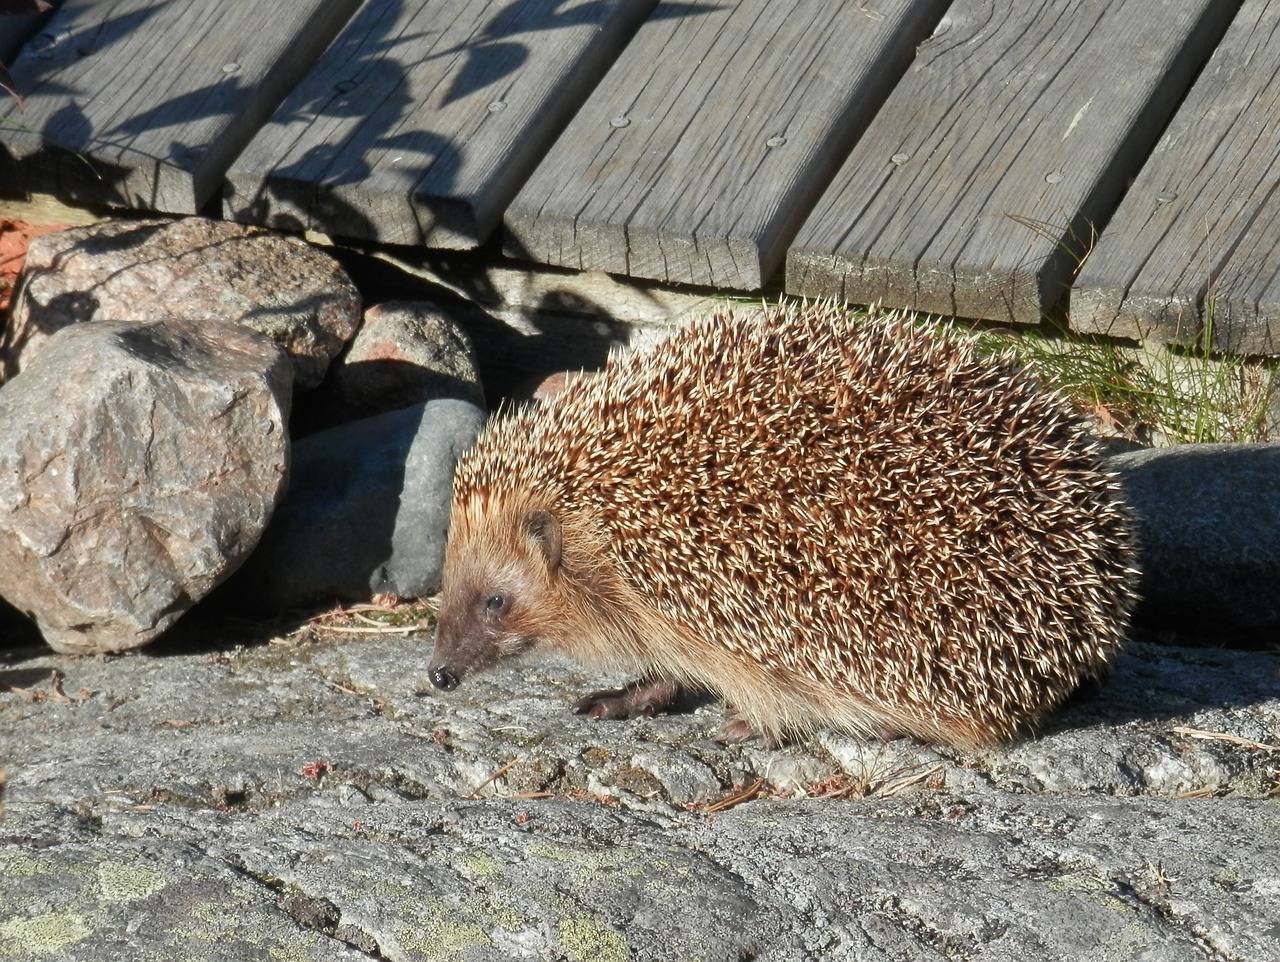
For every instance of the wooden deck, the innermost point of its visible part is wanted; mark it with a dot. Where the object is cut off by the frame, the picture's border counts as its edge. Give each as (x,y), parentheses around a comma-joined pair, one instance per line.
(1116,162)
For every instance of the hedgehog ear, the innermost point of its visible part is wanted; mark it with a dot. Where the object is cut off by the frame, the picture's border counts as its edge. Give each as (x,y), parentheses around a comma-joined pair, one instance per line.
(543,530)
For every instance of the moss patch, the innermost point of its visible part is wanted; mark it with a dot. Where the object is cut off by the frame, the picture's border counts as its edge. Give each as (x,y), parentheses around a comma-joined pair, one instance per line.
(46,934)
(128,883)
(439,937)
(585,938)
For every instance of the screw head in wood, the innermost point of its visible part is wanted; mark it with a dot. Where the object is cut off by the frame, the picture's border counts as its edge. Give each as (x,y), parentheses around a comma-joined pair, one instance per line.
(900,158)
(620,122)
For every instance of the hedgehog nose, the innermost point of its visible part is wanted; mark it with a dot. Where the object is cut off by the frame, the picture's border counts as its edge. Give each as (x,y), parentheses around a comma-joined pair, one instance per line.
(443,678)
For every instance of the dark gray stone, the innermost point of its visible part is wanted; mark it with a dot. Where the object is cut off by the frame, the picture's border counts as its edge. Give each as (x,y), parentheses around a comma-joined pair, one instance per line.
(367,510)
(192,268)
(1208,518)
(139,464)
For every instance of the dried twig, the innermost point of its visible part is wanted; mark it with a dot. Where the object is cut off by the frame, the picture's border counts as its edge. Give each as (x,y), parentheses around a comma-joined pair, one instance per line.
(897,785)
(325,621)
(745,795)
(475,792)
(380,630)
(1202,735)
(344,687)
(1209,791)
(55,687)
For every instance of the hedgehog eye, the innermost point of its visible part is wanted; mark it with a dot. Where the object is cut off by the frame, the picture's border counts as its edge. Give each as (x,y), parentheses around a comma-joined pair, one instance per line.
(495,605)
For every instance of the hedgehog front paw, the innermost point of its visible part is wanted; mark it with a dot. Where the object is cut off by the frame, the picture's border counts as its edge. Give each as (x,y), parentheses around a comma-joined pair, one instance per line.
(646,696)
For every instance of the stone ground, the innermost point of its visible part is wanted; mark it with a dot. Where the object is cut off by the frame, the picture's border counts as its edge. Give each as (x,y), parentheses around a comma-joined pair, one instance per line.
(231,793)
(236,793)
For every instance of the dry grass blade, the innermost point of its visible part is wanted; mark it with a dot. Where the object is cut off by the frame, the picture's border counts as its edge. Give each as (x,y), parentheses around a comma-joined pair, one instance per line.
(1202,735)
(1209,792)
(388,618)
(342,687)
(374,630)
(896,786)
(474,794)
(326,616)
(878,784)
(746,795)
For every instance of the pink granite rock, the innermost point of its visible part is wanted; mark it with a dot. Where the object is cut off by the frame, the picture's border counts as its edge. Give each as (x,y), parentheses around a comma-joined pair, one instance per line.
(405,353)
(194,269)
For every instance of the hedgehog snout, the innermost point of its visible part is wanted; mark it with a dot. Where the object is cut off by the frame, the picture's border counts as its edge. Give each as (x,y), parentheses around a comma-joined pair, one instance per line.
(443,678)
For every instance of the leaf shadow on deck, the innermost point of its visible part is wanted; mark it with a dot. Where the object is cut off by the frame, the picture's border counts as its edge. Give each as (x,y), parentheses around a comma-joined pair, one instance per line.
(53,157)
(493,45)
(57,167)
(367,103)
(408,161)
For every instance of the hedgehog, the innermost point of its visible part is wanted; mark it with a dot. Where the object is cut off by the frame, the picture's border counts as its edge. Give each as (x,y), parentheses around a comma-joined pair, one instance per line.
(825,520)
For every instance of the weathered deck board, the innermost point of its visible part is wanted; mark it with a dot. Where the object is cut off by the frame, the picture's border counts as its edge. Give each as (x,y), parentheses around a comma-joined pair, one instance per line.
(974,191)
(963,170)
(421,122)
(144,104)
(16,30)
(698,155)
(1202,219)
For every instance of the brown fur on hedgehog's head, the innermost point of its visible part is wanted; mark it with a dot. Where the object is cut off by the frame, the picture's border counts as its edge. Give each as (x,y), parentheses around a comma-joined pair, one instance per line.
(499,589)
(519,574)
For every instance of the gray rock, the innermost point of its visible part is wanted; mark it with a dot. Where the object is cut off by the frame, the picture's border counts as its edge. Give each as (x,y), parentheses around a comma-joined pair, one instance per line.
(139,464)
(1208,519)
(367,510)
(405,352)
(76,901)
(316,792)
(193,269)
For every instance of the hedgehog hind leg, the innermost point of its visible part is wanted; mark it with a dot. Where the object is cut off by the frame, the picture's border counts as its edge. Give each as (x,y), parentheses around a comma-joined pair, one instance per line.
(737,730)
(646,696)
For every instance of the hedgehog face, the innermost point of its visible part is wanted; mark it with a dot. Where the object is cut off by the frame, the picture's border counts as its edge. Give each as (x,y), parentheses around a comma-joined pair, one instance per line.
(496,590)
